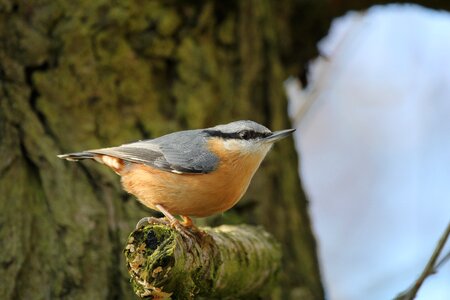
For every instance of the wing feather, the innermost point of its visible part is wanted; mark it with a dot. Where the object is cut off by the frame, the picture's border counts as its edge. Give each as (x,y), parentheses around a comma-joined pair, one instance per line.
(179,152)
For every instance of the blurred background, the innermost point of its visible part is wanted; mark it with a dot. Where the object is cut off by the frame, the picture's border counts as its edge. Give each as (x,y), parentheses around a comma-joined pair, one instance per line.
(367,87)
(374,124)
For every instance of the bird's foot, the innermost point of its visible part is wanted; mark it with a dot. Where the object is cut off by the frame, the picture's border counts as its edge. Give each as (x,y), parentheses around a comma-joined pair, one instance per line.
(187,229)
(189,232)
(188,223)
(151,220)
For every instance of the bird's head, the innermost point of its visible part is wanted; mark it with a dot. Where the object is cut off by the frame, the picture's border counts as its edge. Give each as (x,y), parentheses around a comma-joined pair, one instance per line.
(246,137)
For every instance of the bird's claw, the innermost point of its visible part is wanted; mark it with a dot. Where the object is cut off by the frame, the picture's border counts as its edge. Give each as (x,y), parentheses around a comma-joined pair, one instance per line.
(187,231)
(151,220)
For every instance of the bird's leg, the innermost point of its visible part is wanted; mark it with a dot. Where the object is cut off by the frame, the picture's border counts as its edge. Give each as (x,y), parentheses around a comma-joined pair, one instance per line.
(187,222)
(184,230)
(167,214)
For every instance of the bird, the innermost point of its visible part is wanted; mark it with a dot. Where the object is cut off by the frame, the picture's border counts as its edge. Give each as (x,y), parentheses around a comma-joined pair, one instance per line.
(190,173)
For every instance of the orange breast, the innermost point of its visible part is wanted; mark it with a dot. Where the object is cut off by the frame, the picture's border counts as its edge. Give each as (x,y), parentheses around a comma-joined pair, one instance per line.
(197,195)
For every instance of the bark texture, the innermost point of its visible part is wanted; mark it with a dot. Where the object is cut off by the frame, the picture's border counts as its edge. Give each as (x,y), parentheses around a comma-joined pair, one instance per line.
(78,75)
(85,74)
(222,262)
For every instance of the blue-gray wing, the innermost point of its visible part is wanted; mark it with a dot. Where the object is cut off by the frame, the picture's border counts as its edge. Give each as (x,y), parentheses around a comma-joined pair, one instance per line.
(179,152)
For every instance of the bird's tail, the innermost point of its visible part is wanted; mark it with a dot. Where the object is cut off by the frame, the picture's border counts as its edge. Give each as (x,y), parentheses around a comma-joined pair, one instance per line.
(77,156)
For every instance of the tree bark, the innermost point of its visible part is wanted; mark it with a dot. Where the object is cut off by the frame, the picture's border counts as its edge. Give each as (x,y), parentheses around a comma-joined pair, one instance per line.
(222,262)
(79,75)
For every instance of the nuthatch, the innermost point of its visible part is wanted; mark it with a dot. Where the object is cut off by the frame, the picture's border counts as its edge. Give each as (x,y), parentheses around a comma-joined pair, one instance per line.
(190,173)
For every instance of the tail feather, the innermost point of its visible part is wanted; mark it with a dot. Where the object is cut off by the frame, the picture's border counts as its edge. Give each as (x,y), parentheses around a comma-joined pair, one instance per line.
(77,156)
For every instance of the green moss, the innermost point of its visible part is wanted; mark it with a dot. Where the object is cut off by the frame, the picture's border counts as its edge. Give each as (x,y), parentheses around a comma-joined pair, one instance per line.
(151,254)
(228,261)
(226,32)
(88,74)
(169,22)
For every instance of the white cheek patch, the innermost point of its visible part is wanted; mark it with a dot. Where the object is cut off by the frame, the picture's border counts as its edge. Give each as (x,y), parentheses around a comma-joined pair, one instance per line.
(233,145)
(246,147)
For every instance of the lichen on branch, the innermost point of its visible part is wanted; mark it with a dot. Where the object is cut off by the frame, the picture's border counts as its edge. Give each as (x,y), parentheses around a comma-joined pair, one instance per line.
(221,262)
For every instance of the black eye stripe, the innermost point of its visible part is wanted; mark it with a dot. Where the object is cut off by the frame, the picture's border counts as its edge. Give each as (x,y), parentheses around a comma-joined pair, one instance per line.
(247,134)
(241,135)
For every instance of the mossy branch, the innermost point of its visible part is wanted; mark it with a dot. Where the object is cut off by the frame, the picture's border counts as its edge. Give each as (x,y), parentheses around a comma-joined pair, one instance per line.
(222,262)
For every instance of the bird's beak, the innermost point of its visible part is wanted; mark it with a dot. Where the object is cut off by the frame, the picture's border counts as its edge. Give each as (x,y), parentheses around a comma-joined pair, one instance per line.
(278,135)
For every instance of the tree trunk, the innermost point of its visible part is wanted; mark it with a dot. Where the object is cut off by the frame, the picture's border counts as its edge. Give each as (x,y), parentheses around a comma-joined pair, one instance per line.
(79,75)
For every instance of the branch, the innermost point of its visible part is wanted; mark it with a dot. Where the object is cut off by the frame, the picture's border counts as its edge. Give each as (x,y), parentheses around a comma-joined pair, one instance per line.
(442,261)
(430,268)
(231,261)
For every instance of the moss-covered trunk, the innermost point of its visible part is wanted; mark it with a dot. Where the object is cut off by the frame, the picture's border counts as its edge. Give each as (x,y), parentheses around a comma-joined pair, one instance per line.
(221,262)
(85,74)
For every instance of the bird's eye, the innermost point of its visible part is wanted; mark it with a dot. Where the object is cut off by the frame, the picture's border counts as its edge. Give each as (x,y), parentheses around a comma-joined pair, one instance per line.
(245,134)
